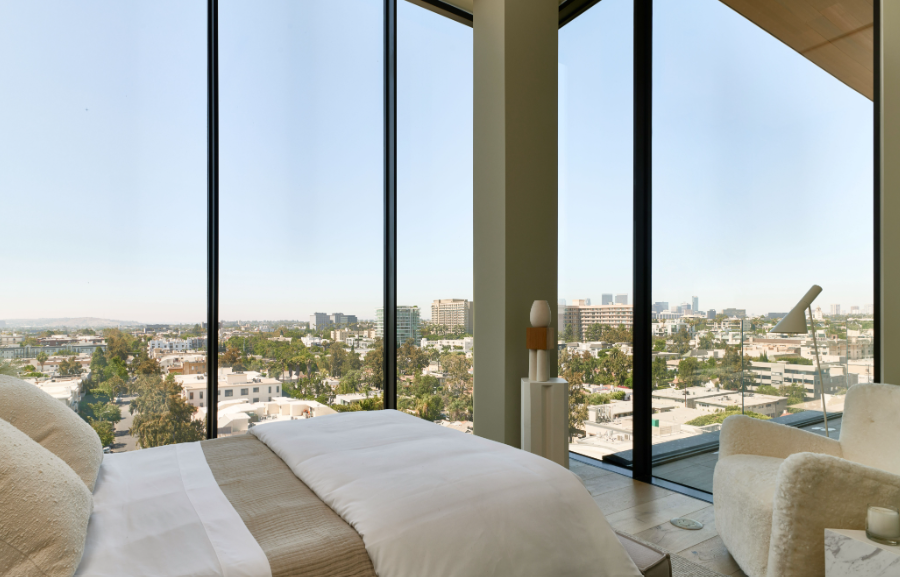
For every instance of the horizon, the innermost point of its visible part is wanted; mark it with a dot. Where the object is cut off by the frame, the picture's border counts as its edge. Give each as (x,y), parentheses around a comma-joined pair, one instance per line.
(746,136)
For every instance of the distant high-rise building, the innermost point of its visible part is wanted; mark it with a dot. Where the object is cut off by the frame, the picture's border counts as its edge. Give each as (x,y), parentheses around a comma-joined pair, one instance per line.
(452,313)
(580,318)
(683,308)
(407,324)
(711,314)
(869,310)
(660,307)
(731,313)
(776,315)
(606,299)
(581,302)
(835,310)
(561,302)
(854,310)
(621,299)
(695,304)
(319,321)
(342,319)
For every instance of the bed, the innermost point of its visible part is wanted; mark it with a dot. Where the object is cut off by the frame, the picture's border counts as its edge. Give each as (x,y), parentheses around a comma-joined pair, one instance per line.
(353,494)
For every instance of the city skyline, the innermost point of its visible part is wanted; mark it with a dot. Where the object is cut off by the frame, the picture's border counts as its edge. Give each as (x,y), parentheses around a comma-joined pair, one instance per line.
(122,214)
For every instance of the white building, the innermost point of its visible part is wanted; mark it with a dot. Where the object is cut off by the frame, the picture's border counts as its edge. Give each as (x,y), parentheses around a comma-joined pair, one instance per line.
(175,345)
(249,386)
(454,313)
(465,344)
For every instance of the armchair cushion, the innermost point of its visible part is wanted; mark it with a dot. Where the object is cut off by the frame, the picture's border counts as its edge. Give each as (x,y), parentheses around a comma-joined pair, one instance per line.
(744,435)
(744,486)
(818,491)
(870,427)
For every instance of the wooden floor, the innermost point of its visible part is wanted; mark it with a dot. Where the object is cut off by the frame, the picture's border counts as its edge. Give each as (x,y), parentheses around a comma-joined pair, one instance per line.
(644,511)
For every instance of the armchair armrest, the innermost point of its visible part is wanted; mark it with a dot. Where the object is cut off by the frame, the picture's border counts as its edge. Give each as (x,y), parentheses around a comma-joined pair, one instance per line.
(742,435)
(814,492)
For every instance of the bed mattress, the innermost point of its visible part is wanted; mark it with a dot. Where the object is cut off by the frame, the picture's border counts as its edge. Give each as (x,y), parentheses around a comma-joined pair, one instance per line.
(355,494)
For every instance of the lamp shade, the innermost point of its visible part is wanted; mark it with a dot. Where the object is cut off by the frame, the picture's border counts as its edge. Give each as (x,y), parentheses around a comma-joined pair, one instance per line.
(795,321)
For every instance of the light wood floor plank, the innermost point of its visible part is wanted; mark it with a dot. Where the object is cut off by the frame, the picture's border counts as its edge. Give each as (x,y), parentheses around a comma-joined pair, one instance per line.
(607,483)
(713,555)
(587,471)
(670,537)
(630,496)
(646,515)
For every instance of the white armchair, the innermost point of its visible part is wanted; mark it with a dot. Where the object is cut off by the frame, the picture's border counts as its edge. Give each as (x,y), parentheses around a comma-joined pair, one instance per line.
(777,488)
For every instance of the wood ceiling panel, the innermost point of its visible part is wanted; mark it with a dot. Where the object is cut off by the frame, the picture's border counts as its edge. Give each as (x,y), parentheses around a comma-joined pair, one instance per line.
(836,35)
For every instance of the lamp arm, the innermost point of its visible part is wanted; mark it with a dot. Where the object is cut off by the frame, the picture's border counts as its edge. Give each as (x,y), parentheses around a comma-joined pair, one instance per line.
(819,367)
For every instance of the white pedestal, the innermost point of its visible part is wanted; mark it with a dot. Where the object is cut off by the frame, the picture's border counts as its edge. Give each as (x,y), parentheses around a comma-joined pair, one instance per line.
(545,419)
(850,552)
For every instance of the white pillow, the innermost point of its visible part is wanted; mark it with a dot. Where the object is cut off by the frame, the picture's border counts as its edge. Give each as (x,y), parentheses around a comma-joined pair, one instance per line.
(44,509)
(52,424)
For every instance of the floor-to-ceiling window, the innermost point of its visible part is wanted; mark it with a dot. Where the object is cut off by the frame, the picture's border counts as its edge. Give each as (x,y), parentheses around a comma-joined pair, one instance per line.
(762,187)
(301,210)
(103,180)
(595,226)
(435,312)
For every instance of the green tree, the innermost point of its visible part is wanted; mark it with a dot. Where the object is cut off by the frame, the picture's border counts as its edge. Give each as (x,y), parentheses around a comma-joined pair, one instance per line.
(617,366)
(681,342)
(659,372)
(117,344)
(430,407)
(714,418)
(161,415)
(110,388)
(570,368)
(568,335)
(706,342)
(98,364)
(148,367)
(768,390)
(9,368)
(106,412)
(105,431)
(374,365)
(688,372)
(350,382)
(41,358)
(70,366)
(337,358)
(461,408)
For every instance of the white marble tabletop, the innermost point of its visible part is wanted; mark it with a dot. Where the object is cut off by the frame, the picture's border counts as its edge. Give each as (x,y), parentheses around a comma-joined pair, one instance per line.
(850,553)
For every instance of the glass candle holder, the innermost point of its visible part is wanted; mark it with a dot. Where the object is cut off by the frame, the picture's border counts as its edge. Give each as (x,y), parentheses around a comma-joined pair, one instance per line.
(883,525)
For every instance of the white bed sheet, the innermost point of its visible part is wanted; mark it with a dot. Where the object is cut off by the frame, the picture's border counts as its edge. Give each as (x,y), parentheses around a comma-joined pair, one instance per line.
(159,512)
(432,501)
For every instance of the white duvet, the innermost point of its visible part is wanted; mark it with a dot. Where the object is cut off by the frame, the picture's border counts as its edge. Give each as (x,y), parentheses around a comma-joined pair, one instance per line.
(431,501)
(160,513)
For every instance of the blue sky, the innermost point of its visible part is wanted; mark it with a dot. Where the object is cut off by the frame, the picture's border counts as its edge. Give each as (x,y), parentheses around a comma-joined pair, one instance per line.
(762,161)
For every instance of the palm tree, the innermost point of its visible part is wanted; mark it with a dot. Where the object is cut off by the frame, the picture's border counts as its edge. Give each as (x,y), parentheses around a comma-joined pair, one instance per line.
(41,357)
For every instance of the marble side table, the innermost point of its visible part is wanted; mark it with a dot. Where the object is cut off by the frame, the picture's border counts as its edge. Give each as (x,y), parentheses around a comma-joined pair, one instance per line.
(851,553)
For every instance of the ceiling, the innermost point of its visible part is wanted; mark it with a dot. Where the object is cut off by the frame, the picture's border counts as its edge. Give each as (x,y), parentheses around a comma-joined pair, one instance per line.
(836,35)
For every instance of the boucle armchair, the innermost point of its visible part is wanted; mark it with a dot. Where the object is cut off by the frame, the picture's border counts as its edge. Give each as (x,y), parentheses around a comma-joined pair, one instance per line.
(777,488)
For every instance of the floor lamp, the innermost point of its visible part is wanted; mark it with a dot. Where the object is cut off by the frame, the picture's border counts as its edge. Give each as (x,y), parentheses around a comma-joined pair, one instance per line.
(794,323)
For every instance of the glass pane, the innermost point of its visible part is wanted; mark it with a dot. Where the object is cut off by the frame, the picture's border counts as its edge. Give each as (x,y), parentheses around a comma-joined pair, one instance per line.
(435,319)
(762,148)
(301,200)
(103,170)
(595,195)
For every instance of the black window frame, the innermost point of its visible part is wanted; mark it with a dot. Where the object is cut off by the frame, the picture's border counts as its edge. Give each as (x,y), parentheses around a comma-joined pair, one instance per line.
(641,468)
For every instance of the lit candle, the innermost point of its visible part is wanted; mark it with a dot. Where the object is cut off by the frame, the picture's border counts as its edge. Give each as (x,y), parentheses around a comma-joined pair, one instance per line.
(883,522)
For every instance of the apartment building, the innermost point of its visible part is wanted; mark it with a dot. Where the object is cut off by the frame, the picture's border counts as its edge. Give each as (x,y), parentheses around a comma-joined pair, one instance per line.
(453,313)
(250,386)
(407,324)
(582,317)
